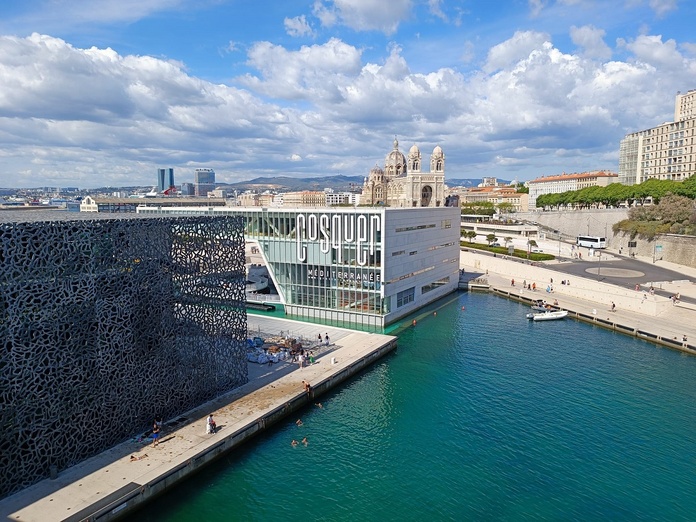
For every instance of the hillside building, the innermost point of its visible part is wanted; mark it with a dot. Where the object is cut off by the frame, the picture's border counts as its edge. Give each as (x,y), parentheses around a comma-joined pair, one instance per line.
(662,152)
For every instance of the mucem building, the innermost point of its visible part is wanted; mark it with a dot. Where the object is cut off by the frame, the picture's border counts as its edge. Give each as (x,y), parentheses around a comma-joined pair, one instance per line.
(363,267)
(108,323)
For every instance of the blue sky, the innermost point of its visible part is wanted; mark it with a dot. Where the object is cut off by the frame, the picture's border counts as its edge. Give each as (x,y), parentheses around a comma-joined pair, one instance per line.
(104,92)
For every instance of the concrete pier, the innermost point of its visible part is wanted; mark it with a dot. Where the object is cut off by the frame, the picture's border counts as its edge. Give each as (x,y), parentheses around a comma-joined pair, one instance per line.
(112,484)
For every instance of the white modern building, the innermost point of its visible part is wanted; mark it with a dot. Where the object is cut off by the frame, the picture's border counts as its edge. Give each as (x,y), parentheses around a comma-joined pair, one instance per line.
(362,267)
(663,152)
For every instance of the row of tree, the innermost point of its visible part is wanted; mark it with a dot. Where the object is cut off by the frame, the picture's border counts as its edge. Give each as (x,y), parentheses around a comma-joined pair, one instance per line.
(616,194)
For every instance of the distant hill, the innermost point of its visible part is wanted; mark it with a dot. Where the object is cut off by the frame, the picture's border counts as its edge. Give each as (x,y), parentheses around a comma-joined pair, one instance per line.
(288,184)
(337,183)
(469,182)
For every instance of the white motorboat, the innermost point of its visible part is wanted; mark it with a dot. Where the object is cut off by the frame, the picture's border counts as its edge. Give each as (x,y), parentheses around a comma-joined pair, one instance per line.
(549,315)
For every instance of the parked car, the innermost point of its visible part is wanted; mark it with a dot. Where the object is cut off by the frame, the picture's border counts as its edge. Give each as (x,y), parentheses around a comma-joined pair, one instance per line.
(537,250)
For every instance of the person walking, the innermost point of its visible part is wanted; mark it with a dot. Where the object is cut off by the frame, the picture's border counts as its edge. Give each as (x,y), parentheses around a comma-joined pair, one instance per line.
(211,427)
(613,307)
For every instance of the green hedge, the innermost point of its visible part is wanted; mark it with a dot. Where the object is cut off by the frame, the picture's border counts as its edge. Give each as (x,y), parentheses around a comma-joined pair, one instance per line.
(522,254)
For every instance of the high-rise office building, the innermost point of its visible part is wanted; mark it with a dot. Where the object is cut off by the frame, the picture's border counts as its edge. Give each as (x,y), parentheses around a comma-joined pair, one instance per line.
(165,179)
(204,181)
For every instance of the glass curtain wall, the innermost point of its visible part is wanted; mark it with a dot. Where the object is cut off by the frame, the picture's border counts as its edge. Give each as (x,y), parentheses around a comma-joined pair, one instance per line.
(327,259)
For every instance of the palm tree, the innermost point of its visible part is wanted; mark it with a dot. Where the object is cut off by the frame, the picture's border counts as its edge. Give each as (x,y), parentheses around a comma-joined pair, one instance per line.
(530,244)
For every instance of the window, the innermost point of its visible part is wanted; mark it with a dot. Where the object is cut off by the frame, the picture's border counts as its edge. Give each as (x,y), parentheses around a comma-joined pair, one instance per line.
(419,227)
(405,296)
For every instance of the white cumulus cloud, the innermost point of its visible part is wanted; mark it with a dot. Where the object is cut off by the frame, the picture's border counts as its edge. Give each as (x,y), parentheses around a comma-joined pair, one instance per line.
(363,15)
(298,26)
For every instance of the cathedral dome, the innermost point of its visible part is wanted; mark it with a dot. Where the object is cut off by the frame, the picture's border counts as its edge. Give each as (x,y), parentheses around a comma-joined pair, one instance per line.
(395,158)
(437,151)
(413,150)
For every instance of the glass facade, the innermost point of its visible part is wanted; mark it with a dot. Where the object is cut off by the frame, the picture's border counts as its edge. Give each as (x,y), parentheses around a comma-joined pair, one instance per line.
(328,259)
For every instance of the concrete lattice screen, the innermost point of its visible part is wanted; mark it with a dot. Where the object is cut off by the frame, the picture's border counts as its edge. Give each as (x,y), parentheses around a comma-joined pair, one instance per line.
(106,324)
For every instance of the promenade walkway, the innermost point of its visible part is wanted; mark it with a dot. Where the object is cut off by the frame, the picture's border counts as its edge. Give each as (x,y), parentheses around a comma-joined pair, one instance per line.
(111,484)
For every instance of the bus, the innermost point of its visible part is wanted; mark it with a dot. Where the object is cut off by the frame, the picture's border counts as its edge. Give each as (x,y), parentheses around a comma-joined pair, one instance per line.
(591,242)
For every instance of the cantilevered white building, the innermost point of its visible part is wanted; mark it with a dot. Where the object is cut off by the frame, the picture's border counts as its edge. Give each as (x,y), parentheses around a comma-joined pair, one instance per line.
(360,267)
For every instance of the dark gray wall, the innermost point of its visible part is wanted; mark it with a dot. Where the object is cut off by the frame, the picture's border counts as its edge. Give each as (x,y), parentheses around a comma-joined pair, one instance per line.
(105,324)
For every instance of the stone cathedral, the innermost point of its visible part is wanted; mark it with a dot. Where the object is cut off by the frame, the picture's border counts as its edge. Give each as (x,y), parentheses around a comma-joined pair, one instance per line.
(402,183)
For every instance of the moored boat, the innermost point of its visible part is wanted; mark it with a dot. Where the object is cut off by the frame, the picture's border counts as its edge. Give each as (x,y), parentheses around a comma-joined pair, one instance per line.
(547,315)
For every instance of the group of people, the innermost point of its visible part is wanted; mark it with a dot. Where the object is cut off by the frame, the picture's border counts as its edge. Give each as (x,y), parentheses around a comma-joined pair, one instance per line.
(325,341)
(303,358)
(525,285)
(299,422)
(295,443)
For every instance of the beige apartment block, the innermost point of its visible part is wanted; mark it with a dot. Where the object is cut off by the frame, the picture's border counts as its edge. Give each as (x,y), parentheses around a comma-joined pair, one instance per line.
(665,152)
(568,182)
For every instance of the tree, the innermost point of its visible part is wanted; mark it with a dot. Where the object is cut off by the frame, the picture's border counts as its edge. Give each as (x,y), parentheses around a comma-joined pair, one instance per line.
(530,244)
(471,235)
(508,240)
(490,238)
(479,208)
(675,209)
(506,208)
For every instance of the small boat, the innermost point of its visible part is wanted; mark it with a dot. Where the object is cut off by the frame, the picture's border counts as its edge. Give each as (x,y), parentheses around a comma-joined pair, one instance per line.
(548,315)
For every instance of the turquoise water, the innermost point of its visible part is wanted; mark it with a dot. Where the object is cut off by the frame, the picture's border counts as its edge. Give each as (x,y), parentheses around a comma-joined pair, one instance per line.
(480,415)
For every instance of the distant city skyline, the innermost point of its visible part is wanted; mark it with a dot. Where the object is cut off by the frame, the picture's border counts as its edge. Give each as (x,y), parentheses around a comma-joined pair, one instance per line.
(105,92)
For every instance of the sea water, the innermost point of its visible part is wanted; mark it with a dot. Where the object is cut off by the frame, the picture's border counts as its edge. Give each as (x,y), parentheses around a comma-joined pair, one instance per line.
(479,415)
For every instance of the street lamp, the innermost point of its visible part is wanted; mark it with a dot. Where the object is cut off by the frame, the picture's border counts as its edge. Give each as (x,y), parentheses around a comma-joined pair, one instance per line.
(559,244)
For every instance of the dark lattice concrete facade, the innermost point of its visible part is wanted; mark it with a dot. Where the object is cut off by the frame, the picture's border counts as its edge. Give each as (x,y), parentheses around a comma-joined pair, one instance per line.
(107,323)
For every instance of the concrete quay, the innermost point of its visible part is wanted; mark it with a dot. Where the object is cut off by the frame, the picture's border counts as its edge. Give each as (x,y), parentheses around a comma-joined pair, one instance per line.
(112,484)
(653,318)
